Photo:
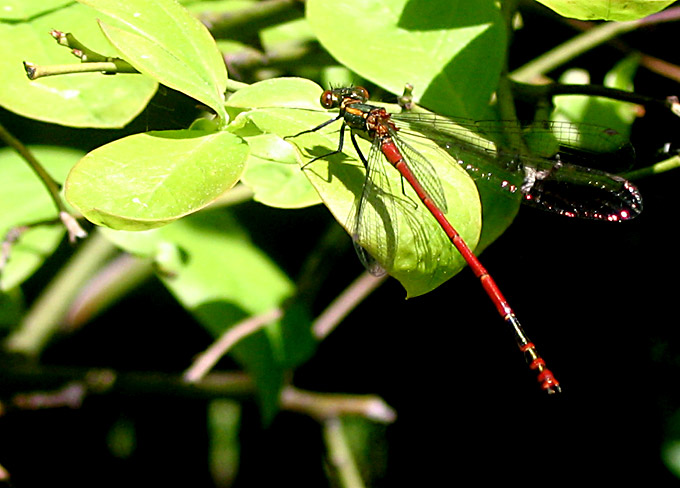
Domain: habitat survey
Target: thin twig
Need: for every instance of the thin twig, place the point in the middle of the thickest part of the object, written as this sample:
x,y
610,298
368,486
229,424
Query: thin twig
x,y
117,278
18,378
571,49
323,325
71,395
587,40
78,49
10,239
91,61
344,303
209,358
323,406
74,229
48,383
547,91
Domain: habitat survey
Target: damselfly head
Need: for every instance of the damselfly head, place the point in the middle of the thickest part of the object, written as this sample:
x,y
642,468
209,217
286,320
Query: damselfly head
x,y
332,98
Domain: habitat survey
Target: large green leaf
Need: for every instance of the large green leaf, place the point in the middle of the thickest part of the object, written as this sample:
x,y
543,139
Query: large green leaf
x,y
162,39
620,10
147,180
24,201
78,100
452,51
413,248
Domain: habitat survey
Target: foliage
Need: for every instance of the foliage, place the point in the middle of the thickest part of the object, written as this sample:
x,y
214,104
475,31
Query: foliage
x,y
167,196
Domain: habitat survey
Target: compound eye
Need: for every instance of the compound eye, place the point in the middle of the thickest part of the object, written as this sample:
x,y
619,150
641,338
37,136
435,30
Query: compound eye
x,y
361,91
328,99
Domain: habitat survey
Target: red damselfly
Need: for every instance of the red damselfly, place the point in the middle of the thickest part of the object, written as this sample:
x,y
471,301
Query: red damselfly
x,y
545,178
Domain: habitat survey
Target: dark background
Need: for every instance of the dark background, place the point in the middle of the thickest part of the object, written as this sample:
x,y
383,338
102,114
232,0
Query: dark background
x,y
598,299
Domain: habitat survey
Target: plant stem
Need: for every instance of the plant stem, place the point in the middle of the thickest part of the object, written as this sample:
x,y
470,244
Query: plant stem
x,y
545,92
597,35
209,358
344,303
323,406
22,378
340,454
52,186
47,180
504,93
116,279
44,318
571,49
109,67
20,381
660,167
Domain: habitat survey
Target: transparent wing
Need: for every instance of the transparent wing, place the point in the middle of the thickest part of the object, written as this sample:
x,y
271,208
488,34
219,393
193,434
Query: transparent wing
x,y
552,162
424,172
373,220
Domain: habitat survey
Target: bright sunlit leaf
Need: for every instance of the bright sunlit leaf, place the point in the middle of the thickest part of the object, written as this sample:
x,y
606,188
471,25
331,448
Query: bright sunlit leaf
x,y
620,10
161,39
435,45
76,100
413,248
148,180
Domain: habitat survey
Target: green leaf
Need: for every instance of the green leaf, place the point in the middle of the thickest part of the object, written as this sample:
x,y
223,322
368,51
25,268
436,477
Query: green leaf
x,y
273,170
369,446
293,32
424,257
12,309
604,112
436,45
78,100
222,279
25,201
279,92
147,180
25,9
161,39
298,342
274,175
620,10
29,252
